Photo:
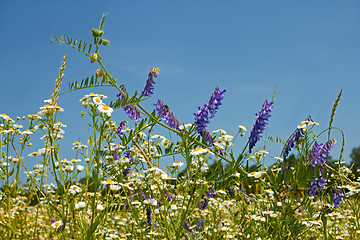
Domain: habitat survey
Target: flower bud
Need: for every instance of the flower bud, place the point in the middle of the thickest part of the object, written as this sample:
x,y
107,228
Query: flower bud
x,y
105,42
96,32
93,57
99,73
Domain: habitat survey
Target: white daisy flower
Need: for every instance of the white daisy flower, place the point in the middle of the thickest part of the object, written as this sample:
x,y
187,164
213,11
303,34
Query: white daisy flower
x,y
80,168
91,95
256,174
74,189
199,151
97,101
242,128
109,182
114,187
185,126
100,207
69,168
105,109
178,164
27,132
80,205
57,224
59,124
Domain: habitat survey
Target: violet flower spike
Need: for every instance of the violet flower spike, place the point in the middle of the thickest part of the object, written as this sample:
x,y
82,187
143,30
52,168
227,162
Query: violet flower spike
x,y
207,111
149,88
132,112
326,150
168,117
338,198
315,151
148,216
316,186
317,155
127,170
295,137
262,119
121,128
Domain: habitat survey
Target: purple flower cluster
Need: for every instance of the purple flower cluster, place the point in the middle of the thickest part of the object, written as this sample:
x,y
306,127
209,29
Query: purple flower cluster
x,y
207,111
169,197
199,224
130,110
127,170
120,129
293,139
210,194
319,153
316,186
338,197
168,117
262,118
187,226
148,216
149,88
318,156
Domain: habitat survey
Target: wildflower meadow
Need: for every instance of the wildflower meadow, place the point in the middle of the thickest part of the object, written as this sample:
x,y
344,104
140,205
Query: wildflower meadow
x,y
114,187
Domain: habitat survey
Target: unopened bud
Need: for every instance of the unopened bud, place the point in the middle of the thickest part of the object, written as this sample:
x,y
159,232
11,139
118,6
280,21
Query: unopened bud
x,y
93,57
96,32
99,73
105,42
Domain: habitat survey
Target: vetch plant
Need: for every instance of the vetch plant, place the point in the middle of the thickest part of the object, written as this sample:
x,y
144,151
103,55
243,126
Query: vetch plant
x,y
113,187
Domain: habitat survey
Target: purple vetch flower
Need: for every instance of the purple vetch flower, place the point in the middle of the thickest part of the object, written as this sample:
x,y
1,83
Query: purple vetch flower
x,y
130,110
121,128
317,184
142,194
203,204
115,156
169,197
262,118
127,170
202,119
148,216
314,153
187,226
318,156
231,191
149,88
208,110
199,224
215,101
211,193
325,150
293,139
338,197
168,117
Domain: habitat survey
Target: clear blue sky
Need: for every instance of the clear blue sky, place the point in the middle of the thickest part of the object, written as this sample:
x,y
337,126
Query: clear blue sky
x,y
308,49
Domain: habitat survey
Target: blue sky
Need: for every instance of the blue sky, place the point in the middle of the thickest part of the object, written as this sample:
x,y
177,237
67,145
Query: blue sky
x,y
309,50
